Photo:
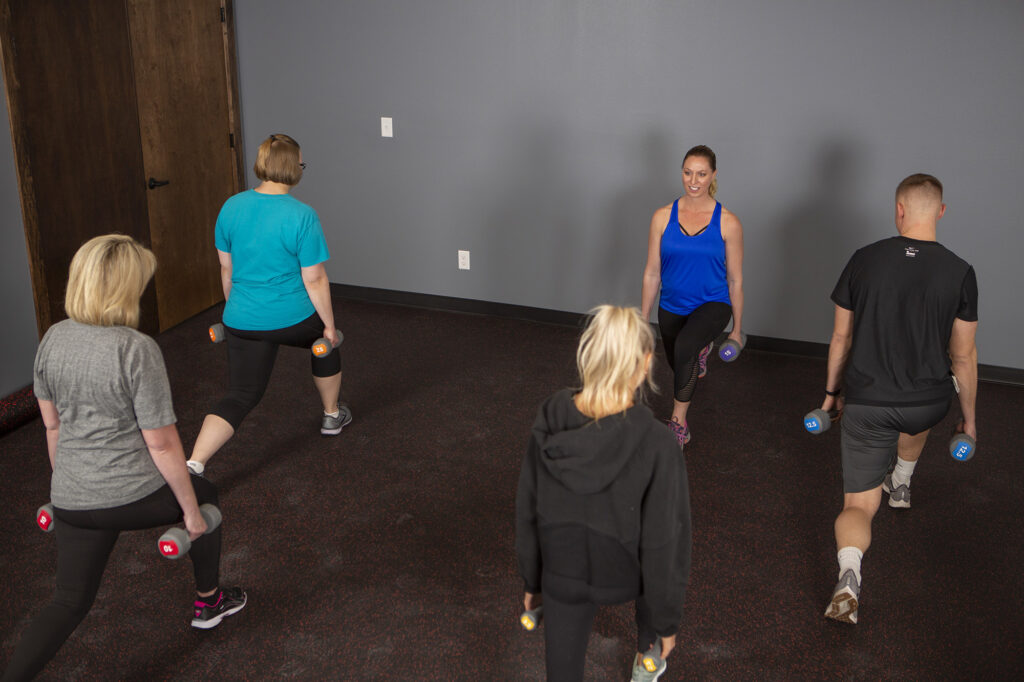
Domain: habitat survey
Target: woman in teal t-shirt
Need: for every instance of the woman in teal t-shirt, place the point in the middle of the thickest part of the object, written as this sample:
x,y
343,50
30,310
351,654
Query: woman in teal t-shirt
x,y
272,253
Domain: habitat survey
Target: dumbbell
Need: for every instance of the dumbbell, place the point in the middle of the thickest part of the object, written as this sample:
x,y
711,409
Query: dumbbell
x,y
819,421
962,447
730,350
216,332
652,660
175,543
531,619
322,346
44,518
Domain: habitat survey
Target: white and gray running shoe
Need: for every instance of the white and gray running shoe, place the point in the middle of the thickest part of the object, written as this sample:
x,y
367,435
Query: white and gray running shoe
x,y
899,497
843,606
641,673
332,426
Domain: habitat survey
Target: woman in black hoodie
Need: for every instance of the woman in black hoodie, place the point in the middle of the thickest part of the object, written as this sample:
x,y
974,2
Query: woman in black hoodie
x,y
603,506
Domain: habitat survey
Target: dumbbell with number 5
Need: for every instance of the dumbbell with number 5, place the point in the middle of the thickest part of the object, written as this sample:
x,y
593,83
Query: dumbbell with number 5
x,y
175,542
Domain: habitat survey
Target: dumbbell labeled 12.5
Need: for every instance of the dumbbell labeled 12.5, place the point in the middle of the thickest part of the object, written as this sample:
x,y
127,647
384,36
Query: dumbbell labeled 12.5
x,y
962,447
819,421
322,346
652,660
216,332
730,350
44,518
531,619
175,543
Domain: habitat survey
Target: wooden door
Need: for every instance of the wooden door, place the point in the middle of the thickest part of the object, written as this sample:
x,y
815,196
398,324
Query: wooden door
x,y
184,87
104,95
71,98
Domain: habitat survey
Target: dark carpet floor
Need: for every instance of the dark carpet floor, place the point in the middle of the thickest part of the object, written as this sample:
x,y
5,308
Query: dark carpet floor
x,y
387,553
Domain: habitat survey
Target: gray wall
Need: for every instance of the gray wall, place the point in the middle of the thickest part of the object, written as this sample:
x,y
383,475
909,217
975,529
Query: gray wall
x,y
17,313
541,136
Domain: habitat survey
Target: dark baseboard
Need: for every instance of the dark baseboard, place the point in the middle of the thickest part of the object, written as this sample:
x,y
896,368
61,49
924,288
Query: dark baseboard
x,y
990,373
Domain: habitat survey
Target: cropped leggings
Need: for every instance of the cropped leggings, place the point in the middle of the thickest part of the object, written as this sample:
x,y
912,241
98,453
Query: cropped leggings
x,y
251,355
684,336
85,539
567,629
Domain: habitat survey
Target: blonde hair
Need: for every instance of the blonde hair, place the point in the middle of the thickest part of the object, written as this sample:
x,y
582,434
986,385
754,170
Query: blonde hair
x,y
277,160
107,278
611,358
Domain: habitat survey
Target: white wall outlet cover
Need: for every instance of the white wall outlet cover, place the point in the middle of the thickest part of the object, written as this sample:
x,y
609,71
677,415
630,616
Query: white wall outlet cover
x,y
386,129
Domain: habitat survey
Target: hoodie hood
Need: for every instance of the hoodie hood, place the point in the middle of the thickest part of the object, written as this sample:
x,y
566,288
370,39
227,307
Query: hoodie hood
x,y
583,454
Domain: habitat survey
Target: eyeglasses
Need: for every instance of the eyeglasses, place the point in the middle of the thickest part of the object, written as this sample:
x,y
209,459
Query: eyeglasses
x,y
302,166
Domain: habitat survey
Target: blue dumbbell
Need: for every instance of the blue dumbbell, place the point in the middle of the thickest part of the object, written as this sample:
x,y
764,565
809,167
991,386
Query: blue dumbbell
x,y
730,350
962,447
652,660
819,421
531,619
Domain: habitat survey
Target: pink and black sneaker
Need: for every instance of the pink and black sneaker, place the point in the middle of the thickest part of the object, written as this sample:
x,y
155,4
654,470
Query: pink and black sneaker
x,y
702,360
681,432
227,602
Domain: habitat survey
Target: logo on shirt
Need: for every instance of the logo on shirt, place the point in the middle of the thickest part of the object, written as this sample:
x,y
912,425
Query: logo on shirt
x,y
911,251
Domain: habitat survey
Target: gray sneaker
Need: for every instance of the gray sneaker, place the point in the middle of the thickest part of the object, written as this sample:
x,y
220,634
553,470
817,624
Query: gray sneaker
x,y
332,426
843,606
899,497
642,674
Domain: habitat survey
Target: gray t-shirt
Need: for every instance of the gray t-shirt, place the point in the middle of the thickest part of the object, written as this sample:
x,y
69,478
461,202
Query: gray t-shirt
x,y
107,383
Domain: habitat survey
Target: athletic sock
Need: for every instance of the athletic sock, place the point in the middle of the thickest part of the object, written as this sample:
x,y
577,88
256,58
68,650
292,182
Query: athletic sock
x,y
333,414
849,557
902,472
210,600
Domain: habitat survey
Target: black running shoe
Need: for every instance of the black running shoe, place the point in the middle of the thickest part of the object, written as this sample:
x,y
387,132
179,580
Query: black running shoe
x,y
229,601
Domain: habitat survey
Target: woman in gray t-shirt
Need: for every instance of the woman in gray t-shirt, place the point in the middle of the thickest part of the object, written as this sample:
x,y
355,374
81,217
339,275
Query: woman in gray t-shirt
x,y
117,460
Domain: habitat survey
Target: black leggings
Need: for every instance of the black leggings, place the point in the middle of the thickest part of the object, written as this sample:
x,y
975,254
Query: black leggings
x,y
85,539
567,629
684,336
251,356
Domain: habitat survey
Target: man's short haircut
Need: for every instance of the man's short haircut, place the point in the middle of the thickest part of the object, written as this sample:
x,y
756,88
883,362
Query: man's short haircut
x,y
277,160
928,185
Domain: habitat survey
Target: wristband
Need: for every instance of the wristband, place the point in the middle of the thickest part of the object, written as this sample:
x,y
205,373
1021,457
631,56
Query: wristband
x,y
834,393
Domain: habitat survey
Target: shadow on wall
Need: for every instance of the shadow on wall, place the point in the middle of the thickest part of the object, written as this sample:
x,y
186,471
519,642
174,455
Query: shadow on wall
x,y
628,218
816,238
531,222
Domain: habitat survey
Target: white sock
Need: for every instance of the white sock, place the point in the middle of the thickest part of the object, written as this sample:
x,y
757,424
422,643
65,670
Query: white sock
x,y
849,557
197,467
333,414
903,471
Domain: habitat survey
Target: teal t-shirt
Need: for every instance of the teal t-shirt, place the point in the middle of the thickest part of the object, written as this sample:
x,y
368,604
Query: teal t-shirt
x,y
270,237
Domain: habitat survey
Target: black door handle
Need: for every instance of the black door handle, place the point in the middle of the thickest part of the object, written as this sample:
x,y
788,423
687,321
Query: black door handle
x,y
154,183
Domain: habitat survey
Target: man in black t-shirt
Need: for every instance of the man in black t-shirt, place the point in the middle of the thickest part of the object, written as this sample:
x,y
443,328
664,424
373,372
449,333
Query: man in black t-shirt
x,y
905,322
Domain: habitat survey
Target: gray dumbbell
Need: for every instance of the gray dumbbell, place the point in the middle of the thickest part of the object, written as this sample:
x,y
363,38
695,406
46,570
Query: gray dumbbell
x,y
216,332
531,619
962,447
44,518
730,350
175,542
819,421
652,660
322,346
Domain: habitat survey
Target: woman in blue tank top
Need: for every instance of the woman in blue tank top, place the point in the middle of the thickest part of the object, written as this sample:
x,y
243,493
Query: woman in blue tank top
x,y
695,256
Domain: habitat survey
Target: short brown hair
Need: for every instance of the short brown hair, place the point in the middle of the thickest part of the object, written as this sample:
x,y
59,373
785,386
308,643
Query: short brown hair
x,y
277,160
107,278
920,182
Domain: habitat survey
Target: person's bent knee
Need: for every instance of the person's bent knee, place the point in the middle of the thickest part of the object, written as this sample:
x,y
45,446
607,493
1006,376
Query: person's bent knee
x,y
867,501
327,366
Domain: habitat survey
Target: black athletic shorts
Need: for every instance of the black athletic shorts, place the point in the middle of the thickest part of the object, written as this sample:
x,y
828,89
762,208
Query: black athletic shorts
x,y
870,434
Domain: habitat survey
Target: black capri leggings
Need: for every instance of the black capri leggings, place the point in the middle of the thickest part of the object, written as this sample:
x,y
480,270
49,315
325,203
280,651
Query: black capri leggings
x,y
85,539
684,336
251,355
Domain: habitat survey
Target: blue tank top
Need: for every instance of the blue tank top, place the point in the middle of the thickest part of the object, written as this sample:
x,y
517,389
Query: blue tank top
x,y
692,268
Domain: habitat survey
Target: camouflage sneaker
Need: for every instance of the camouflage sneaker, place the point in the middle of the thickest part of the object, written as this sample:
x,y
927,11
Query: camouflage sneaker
x,y
844,604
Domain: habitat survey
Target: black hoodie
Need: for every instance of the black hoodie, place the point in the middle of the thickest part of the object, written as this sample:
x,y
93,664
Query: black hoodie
x,y
603,511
